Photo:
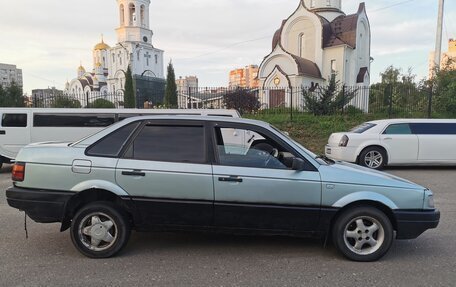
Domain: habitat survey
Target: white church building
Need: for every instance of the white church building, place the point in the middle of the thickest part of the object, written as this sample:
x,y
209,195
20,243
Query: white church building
x,y
134,49
317,41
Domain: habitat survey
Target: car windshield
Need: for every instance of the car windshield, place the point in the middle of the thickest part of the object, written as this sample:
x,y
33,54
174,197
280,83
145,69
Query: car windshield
x,y
362,128
285,134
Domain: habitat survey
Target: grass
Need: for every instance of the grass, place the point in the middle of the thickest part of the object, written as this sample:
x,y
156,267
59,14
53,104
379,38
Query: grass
x,y
313,131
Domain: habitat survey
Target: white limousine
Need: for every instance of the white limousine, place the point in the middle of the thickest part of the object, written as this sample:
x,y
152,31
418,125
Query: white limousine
x,y
22,126
396,142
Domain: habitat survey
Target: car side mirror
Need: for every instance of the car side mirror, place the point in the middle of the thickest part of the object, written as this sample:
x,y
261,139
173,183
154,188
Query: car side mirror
x,y
298,164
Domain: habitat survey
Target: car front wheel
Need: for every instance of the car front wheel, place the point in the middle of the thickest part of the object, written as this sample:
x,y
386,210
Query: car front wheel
x,y
100,230
363,234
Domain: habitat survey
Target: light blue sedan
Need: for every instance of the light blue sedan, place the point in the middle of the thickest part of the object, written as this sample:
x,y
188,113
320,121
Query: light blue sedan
x,y
213,174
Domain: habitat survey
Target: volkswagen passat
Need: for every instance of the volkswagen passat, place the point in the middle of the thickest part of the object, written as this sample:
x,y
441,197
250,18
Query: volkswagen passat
x,y
212,174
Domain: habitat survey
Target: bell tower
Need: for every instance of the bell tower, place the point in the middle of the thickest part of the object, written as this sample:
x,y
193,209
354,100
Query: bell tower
x,y
134,48
134,21
323,4
329,9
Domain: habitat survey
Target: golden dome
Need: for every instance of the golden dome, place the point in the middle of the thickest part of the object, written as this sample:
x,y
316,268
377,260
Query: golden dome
x,y
81,68
102,45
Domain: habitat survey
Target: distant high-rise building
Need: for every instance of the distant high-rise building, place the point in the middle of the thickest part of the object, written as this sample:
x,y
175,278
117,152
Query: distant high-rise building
x,y
43,98
448,60
183,84
244,78
9,74
185,88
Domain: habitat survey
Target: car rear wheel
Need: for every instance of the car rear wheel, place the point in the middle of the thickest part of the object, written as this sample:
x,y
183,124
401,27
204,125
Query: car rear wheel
x,y
100,230
363,234
373,157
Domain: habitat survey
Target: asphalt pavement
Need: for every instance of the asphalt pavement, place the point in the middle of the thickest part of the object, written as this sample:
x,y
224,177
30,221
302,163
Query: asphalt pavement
x,y
48,258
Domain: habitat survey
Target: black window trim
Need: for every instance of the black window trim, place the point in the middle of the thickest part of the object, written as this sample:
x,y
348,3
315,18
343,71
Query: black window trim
x,y
35,114
216,161
171,122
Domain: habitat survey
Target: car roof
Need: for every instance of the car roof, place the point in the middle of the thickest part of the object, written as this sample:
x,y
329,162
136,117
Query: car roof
x,y
398,121
199,118
93,138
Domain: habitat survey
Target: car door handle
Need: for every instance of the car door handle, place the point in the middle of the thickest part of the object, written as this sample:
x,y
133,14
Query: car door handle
x,y
388,139
230,179
134,173
2,132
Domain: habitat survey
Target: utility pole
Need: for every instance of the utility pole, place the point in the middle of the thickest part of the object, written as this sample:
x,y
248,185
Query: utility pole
x,y
438,44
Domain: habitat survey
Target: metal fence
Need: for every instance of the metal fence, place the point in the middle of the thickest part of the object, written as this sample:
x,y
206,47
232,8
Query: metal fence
x,y
387,100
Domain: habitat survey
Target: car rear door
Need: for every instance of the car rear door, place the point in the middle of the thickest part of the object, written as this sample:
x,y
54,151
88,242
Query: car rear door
x,y
437,141
256,190
167,173
401,143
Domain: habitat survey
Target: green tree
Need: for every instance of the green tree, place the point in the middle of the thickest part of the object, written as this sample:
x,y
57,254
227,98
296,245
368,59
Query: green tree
x,y
2,96
242,100
328,100
129,95
397,94
12,96
65,102
443,87
171,88
101,104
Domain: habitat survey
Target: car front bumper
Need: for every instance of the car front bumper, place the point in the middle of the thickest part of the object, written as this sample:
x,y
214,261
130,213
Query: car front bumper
x,y
411,224
40,205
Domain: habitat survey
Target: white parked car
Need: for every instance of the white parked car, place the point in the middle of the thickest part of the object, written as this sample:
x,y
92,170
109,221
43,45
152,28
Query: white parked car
x,y
396,142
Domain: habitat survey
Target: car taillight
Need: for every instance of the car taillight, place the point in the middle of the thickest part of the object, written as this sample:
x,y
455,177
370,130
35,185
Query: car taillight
x,y
18,173
344,141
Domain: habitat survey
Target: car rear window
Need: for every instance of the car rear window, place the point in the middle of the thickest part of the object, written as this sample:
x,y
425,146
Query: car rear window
x,y
112,144
362,128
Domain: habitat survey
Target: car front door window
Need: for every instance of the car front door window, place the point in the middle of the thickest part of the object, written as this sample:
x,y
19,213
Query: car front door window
x,y
247,148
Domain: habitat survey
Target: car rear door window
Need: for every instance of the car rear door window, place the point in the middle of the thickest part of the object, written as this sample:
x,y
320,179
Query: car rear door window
x,y
434,128
14,120
111,145
166,143
398,129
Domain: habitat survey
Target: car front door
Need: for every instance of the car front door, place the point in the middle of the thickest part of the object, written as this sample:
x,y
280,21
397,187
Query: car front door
x,y
401,144
167,173
255,186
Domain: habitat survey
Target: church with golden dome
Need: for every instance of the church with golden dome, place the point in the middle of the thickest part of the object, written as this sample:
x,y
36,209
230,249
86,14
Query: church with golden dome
x,y
134,49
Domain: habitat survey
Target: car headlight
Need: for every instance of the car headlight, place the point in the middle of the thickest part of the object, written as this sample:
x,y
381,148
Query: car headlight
x,y
430,201
344,141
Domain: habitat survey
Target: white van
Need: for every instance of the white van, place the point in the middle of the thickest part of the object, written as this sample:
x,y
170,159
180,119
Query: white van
x,y
396,142
22,126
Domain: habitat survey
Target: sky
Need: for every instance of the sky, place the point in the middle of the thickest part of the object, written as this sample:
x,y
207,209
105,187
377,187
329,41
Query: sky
x,y
48,39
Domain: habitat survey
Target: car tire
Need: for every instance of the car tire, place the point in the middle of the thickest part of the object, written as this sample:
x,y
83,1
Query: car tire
x,y
100,230
373,158
363,234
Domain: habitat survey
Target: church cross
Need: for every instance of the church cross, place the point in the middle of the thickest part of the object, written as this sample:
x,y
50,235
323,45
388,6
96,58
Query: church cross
x,y
147,56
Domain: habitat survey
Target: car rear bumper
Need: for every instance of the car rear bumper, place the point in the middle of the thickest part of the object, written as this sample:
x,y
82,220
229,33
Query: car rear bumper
x,y
411,224
40,205
341,153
